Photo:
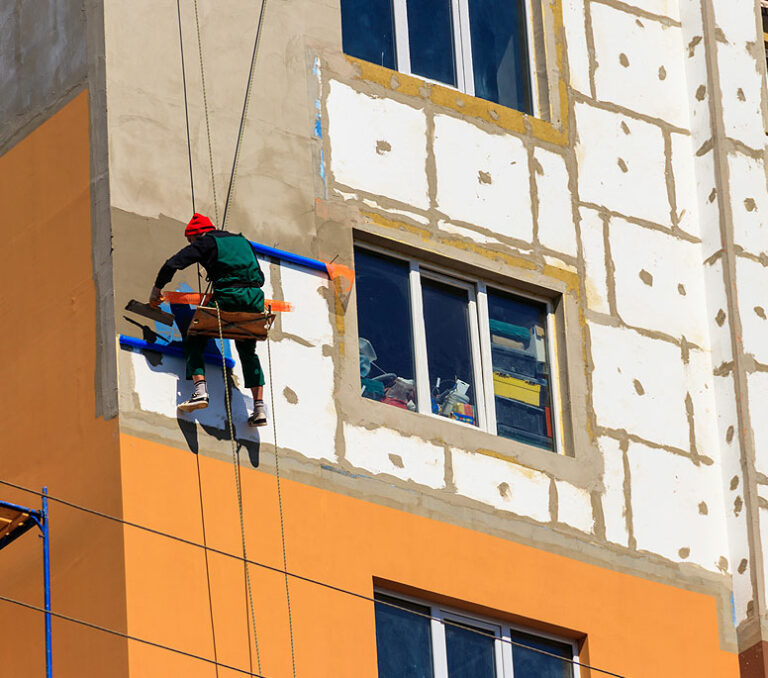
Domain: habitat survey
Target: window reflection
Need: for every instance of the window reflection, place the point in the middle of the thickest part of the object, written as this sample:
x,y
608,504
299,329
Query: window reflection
x,y
532,664
385,336
403,639
449,354
500,52
521,379
470,650
430,33
368,31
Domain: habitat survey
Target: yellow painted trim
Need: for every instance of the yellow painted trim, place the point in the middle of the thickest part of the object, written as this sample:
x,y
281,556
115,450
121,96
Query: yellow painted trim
x,y
506,118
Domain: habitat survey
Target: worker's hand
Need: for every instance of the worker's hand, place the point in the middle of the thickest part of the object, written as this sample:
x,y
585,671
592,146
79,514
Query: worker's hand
x,y
155,296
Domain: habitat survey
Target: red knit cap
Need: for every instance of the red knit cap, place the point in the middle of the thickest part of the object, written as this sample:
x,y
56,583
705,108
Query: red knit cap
x,y
198,225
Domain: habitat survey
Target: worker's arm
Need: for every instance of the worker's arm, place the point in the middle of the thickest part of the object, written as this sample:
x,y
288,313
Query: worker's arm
x,y
201,251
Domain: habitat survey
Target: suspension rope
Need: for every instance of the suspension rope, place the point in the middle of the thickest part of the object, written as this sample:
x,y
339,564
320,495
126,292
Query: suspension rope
x,y
207,119
280,503
197,456
244,114
238,486
277,570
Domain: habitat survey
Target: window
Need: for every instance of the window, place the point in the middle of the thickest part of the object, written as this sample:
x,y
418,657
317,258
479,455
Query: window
x,y
477,46
453,348
417,640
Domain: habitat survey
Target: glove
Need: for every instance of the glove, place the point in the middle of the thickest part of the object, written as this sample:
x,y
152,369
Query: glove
x,y
155,297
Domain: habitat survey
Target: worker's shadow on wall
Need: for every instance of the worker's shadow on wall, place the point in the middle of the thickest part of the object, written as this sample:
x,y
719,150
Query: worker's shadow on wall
x,y
188,424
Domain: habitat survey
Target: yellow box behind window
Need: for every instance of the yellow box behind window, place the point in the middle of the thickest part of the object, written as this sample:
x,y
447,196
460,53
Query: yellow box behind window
x,y
516,389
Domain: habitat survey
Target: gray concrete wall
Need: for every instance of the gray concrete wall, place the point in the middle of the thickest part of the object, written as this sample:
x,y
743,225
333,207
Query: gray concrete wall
x,y
43,62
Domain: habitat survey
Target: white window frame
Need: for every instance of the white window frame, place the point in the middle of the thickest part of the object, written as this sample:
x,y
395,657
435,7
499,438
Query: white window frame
x,y
462,47
502,631
480,343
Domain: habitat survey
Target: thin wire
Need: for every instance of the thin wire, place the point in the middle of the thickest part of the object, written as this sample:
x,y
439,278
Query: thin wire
x,y
244,115
280,504
127,636
207,121
238,485
300,577
186,107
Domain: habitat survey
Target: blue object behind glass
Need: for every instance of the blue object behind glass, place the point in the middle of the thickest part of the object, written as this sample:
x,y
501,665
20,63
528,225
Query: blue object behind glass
x,y
470,652
531,664
403,639
368,31
500,52
430,37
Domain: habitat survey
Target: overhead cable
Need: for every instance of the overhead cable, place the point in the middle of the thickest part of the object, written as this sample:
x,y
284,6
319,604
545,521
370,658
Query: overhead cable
x,y
309,580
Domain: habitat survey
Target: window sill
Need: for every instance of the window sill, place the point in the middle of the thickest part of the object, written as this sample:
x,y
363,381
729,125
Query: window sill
x,y
581,466
450,98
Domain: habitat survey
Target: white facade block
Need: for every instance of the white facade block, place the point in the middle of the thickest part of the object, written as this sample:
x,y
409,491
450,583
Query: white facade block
x,y
639,385
686,192
378,145
741,82
384,451
709,205
640,64
614,499
593,251
659,285
749,201
574,506
758,397
701,387
578,52
555,218
501,484
310,318
752,285
717,308
483,178
621,164
667,491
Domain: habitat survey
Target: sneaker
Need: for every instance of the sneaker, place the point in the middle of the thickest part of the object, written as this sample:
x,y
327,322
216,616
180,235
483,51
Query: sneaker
x,y
196,402
258,418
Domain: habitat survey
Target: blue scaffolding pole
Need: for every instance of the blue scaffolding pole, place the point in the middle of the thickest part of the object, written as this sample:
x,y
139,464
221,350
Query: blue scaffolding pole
x,y
16,520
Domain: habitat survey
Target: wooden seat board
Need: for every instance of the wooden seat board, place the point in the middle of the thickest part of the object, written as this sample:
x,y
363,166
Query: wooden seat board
x,y
234,324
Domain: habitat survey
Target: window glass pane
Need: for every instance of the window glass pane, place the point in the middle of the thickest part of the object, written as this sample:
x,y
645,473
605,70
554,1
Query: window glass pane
x,y
470,651
430,37
500,52
368,31
531,664
384,329
403,639
521,375
449,353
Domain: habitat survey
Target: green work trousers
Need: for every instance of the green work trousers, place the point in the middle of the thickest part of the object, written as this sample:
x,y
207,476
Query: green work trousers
x,y
249,299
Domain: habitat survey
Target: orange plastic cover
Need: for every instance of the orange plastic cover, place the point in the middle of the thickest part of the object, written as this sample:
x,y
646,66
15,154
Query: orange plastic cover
x,y
345,274
196,299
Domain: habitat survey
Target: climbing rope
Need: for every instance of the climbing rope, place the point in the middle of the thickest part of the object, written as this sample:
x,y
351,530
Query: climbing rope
x,y
207,119
197,456
280,503
238,485
244,114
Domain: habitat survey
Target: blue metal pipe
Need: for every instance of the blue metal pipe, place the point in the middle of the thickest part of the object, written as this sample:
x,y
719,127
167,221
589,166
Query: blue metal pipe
x,y
47,584
170,349
266,251
22,509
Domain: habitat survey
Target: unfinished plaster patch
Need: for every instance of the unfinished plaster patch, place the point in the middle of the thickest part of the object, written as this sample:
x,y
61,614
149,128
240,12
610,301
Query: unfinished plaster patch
x,y
625,128
703,509
290,395
701,92
684,552
692,45
503,206
384,451
742,568
601,139
622,165
484,177
356,124
750,205
641,66
720,317
729,437
383,147
681,290
759,312
638,387
646,277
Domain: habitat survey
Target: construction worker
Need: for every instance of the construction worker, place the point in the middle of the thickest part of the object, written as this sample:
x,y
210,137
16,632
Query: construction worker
x,y
232,267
